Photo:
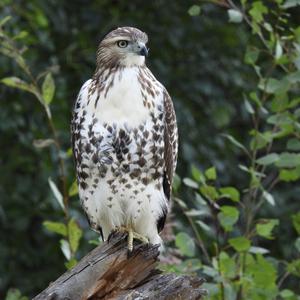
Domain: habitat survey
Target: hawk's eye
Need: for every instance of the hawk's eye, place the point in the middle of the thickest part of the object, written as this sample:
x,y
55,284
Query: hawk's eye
x,y
122,44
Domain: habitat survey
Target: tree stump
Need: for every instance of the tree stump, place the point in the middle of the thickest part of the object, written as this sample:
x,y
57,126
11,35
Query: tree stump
x,y
107,272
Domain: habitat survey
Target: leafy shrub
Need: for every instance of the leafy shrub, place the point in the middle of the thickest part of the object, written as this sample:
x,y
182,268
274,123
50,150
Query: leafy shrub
x,y
230,225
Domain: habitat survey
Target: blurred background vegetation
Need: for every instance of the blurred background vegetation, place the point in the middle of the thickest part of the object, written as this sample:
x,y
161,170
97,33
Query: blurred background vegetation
x,y
229,67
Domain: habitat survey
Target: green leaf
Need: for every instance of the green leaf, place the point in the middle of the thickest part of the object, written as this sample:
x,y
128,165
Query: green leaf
x,y
240,244
294,77
297,244
204,226
235,142
231,193
280,119
190,265
180,203
260,140
185,244
176,183
73,190
296,222
40,17
270,199
280,102
18,83
211,173
257,11
71,263
4,20
251,57
278,50
210,271
65,248
288,160
40,143
265,227
74,235
294,267
289,175
197,174
263,276
56,227
268,159
248,107
227,266
57,194
14,294
293,144
285,130
190,183
274,86
209,192
288,295
291,3
258,250
294,102
200,200
21,35
244,168
235,16
48,88
268,26
194,213
228,216
194,10
253,96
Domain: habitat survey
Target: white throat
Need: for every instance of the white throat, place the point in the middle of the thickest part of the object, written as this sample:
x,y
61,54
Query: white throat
x,y
123,102
132,59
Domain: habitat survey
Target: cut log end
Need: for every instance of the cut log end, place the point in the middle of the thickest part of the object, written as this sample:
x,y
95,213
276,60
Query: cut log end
x,y
108,272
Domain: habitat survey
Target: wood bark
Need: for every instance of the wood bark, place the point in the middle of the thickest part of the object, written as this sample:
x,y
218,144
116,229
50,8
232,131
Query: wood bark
x,y
109,272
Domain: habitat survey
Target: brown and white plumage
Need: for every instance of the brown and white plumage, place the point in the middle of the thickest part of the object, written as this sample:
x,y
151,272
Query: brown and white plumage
x,y
124,137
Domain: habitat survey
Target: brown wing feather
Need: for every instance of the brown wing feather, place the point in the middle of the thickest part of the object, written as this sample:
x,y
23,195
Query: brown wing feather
x,y
171,143
170,152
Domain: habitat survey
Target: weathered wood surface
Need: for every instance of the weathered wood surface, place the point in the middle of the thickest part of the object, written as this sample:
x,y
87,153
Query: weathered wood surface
x,y
108,273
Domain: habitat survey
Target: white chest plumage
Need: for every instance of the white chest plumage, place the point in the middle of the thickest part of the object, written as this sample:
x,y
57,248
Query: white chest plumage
x,y
118,142
122,102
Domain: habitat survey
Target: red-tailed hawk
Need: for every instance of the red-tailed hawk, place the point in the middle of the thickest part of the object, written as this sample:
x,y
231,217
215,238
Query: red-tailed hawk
x,y
124,137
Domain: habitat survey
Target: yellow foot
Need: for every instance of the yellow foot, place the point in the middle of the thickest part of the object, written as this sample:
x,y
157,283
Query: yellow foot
x,y
132,235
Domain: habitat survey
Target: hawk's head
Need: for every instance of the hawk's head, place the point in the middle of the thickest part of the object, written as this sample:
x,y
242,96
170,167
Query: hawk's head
x,y
124,46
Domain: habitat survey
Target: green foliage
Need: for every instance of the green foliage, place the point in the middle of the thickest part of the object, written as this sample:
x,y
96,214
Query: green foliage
x,y
240,244
14,294
211,174
48,88
185,244
265,227
228,217
194,10
296,222
238,265
56,227
75,234
231,193
235,16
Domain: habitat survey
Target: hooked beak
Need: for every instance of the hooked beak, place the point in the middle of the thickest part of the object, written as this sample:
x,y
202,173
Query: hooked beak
x,y
144,51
